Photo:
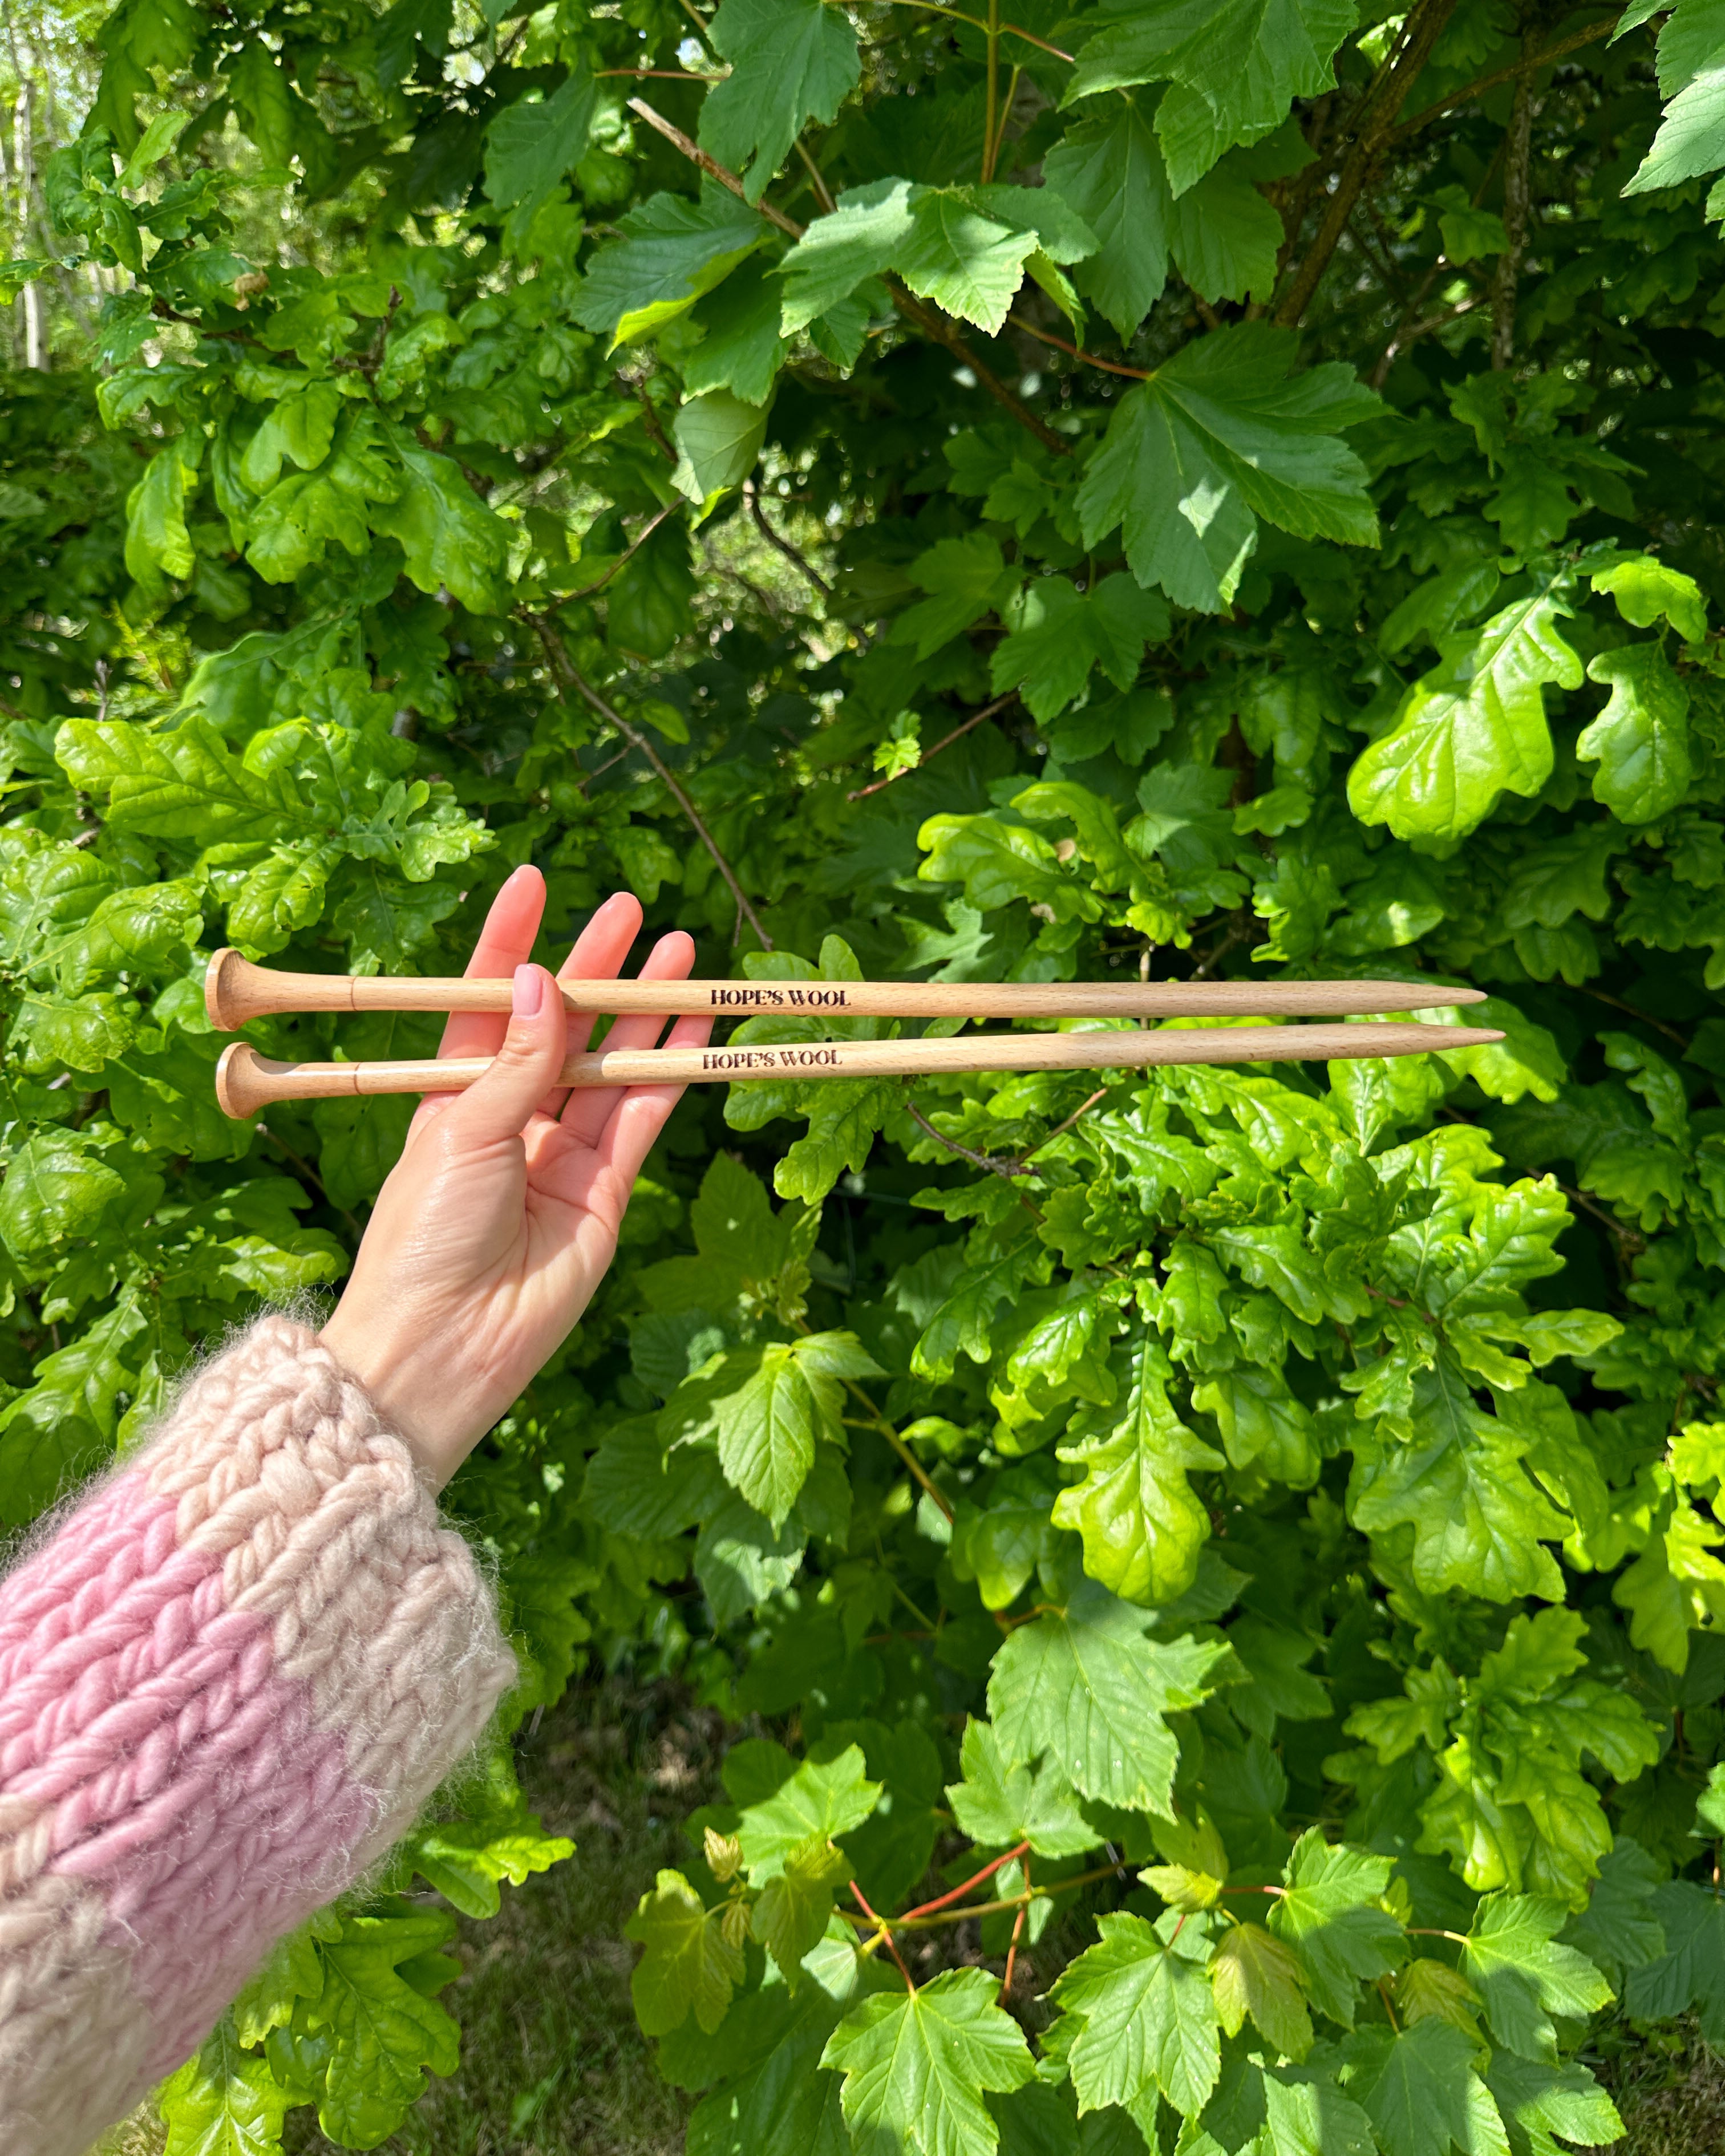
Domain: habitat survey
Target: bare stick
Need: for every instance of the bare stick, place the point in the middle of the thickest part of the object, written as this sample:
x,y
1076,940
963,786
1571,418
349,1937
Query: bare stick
x,y
776,539
246,1082
236,992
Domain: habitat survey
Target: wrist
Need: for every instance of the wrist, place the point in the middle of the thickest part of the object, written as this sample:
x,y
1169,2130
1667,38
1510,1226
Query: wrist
x,y
375,1359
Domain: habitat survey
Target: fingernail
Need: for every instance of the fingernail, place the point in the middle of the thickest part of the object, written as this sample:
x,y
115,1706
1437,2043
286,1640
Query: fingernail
x,y
527,991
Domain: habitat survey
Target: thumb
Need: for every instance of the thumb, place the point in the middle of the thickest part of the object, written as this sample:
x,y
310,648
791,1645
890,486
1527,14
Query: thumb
x,y
524,1070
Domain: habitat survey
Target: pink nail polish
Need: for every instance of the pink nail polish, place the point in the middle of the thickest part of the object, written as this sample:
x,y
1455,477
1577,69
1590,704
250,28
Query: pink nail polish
x,y
527,991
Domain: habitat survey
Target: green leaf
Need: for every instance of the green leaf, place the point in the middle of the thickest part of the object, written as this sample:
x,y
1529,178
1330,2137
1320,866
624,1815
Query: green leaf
x,y
384,2031
1090,1687
1418,2088
1148,2020
1542,2104
1250,1973
1235,68
1058,635
1330,1915
1457,1478
791,61
1472,728
530,146
1003,1801
819,1801
1690,138
1141,1523
1218,438
855,241
1647,590
225,2102
1111,170
742,348
1689,1977
916,2066
795,1906
1641,741
718,438
157,543
452,541
791,1397
689,1964
963,260
964,578
466,1862
669,252
1512,1958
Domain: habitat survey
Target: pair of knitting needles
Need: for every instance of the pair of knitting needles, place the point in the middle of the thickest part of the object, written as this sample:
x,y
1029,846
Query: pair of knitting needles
x,y
236,991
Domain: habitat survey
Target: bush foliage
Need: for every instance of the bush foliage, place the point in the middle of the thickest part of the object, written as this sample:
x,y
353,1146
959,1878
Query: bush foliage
x,y
1228,489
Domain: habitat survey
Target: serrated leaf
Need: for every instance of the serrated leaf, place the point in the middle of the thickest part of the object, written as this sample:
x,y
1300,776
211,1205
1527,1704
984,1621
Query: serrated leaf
x,y
1236,68
1541,2104
530,146
1089,1687
792,61
689,1965
791,1911
1251,1973
225,2102
1218,438
1330,1916
1417,2085
916,2067
1513,1960
1148,2020
1002,1801
820,1800
668,252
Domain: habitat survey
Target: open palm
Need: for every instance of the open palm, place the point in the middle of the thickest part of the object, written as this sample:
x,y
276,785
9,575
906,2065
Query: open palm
x,y
501,1217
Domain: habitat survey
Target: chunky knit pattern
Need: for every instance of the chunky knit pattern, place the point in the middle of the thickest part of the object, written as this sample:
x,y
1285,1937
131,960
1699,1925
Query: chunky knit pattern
x,y
227,1685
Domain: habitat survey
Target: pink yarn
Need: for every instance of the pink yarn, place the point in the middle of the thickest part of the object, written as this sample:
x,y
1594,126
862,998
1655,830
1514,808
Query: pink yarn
x,y
226,1684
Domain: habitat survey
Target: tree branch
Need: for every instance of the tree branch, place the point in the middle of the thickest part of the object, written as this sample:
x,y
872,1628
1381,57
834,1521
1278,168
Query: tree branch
x,y
776,539
991,1163
946,741
1517,190
628,554
932,325
1478,89
1373,122
571,678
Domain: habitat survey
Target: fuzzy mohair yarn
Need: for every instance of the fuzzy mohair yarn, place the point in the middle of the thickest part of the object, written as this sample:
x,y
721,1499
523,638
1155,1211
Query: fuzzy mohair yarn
x,y
227,1685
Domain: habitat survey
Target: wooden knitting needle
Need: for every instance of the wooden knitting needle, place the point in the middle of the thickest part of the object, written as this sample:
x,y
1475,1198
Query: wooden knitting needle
x,y
246,1081
236,991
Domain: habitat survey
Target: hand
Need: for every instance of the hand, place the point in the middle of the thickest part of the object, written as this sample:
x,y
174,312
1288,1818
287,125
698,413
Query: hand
x,y
498,1221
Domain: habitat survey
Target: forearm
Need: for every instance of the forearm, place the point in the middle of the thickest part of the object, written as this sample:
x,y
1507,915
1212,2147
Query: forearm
x,y
227,1685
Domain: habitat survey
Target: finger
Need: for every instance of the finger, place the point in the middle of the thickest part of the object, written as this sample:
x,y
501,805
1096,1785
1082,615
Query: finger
x,y
590,1110
643,1112
504,942
599,951
500,1103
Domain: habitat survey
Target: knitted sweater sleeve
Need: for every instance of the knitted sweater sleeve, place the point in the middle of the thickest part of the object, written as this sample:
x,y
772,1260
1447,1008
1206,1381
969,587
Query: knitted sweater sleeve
x,y
227,1684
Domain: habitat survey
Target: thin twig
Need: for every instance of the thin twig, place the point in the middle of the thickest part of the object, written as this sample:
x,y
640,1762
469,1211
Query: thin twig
x,y
878,1422
1412,334
649,420
752,495
1018,1932
1061,1129
991,1163
823,193
1077,352
885,1935
958,1893
1477,89
634,548
946,741
711,166
561,664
